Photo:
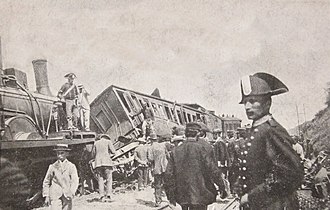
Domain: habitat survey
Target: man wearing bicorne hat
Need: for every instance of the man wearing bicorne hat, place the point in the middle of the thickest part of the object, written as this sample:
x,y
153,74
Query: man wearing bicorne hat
x,y
61,181
69,93
270,171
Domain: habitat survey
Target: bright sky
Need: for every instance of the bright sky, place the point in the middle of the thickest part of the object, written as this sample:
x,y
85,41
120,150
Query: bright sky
x,y
194,51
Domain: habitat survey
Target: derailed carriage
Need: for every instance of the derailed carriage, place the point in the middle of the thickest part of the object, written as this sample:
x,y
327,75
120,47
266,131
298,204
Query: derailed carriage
x,y
114,112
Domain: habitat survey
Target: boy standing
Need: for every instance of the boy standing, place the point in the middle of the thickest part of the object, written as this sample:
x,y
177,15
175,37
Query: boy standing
x,y
61,181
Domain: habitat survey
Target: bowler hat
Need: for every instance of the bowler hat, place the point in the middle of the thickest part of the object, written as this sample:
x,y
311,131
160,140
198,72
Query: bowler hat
x,y
70,75
62,147
261,84
193,126
104,136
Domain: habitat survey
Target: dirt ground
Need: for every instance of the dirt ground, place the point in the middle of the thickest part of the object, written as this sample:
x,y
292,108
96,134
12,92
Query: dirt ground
x,y
128,200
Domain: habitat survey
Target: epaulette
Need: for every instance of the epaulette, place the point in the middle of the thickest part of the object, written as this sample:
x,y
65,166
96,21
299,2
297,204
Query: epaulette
x,y
272,122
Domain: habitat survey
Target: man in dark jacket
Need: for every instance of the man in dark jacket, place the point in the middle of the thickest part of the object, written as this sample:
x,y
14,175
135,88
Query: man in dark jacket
x,y
192,171
270,170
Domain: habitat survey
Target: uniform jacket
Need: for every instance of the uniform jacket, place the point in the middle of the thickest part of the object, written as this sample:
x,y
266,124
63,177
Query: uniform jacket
x,y
72,94
221,151
157,155
60,179
191,174
102,151
270,170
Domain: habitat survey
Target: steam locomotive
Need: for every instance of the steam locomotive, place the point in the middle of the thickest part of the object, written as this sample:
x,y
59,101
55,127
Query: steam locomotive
x,y
29,127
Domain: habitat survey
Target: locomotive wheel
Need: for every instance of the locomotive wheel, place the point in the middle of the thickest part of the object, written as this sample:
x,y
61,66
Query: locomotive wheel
x,y
21,128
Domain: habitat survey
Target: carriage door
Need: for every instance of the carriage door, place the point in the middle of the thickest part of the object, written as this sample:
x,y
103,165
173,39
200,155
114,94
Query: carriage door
x,y
134,106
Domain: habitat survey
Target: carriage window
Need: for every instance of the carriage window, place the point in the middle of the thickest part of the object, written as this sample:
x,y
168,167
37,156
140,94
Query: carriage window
x,y
179,116
146,100
189,117
103,120
184,116
136,101
194,118
121,96
154,107
168,113
174,116
198,116
161,110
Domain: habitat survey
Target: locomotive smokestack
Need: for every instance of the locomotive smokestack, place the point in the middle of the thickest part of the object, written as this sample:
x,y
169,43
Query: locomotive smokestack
x,y
40,72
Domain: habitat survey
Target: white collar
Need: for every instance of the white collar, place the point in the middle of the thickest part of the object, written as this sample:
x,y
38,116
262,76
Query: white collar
x,y
262,120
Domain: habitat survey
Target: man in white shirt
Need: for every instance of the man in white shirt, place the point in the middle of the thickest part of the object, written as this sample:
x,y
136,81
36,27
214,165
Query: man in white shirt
x,y
298,148
84,107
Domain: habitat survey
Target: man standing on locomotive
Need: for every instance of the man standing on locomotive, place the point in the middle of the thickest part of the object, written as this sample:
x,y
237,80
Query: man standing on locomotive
x,y
270,170
69,93
84,108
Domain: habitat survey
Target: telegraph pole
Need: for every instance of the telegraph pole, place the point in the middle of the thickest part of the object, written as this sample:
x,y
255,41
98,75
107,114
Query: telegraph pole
x,y
298,120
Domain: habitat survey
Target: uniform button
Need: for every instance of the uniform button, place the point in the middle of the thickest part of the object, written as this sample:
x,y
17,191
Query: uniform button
x,y
239,168
244,169
243,146
252,137
243,178
239,177
236,146
245,152
256,130
244,161
244,186
249,144
242,153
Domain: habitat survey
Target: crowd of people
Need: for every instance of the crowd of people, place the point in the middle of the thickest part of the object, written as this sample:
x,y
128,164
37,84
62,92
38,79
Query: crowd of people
x,y
259,162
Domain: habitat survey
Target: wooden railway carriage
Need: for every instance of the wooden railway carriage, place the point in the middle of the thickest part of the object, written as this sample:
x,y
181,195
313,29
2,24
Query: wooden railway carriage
x,y
111,113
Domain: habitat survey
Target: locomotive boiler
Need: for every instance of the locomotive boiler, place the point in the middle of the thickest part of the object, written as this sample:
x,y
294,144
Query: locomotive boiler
x,y
29,125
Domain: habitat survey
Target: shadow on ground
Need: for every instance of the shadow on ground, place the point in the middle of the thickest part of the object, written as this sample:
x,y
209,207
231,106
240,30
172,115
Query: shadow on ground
x,y
146,203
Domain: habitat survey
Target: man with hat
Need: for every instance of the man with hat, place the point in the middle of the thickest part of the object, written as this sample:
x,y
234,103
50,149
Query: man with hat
x,y
102,151
157,155
69,93
141,159
270,171
177,140
148,119
84,108
61,180
192,172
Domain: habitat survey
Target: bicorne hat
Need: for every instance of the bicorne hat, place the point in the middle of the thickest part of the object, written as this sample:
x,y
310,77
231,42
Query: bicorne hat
x,y
70,75
261,84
